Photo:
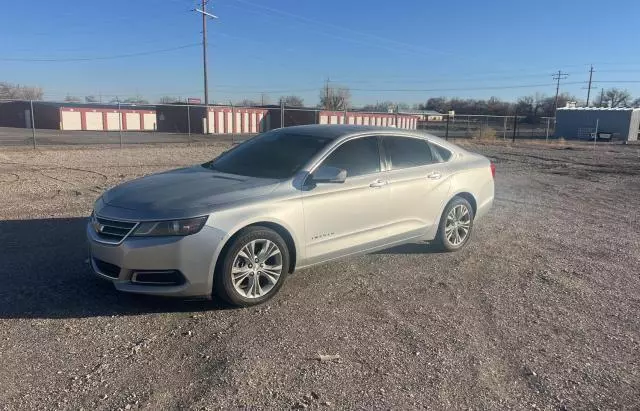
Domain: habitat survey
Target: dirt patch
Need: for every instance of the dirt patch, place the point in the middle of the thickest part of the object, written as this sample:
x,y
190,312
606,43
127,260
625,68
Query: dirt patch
x,y
540,311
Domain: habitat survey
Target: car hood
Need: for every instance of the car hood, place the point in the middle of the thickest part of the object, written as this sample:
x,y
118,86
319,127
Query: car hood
x,y
184,192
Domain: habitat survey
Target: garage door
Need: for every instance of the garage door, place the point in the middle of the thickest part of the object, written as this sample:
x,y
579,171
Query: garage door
x,y
149,121
237,125
94,121
133,121
113,121
254,123
245,122
229,124
71,120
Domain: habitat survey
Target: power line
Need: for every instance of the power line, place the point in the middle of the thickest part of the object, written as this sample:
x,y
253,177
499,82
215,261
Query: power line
x,y
463,88
617,81
407,46
112,57
233,89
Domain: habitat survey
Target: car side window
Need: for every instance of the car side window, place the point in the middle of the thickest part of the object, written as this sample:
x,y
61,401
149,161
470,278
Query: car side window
x,y
405,152
359,157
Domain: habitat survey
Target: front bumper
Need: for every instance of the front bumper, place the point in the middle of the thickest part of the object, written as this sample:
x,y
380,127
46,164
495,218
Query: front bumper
x,y
193,256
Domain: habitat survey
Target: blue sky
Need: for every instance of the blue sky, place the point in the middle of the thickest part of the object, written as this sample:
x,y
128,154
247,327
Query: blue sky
x,y
403,50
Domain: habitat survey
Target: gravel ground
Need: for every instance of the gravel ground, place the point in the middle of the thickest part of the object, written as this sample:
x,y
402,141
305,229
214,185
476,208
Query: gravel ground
x,y
540,311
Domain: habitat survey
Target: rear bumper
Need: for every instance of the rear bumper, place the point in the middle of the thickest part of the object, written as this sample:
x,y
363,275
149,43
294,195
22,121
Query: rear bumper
x,y
193,257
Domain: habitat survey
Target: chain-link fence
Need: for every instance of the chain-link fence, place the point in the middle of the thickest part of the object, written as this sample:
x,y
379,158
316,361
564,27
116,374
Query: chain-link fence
x,y
35,123
488,127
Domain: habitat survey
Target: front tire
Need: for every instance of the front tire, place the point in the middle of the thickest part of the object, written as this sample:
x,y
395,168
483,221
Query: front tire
x,y
456,225
254,267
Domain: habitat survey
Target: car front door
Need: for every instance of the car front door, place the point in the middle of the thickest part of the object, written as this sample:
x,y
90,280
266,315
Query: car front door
x,y
418,185
345,218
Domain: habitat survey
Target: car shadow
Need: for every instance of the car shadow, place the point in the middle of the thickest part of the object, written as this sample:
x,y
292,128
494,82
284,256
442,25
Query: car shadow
x,y
44,274
412,248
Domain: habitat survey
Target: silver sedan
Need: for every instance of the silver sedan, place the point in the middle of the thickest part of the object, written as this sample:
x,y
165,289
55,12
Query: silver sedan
x,y
285,200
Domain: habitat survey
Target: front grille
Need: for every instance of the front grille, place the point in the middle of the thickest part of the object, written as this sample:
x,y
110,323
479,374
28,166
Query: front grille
x,y
112,230
108,269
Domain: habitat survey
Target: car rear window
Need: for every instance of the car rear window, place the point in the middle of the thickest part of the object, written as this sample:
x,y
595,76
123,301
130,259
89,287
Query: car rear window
x,y
405,152
441,153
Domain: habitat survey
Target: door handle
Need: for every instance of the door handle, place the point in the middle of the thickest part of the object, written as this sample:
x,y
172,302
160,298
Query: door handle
x,y
378,184
434,176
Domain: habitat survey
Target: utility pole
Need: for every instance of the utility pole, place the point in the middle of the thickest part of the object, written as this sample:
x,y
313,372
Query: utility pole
x,y
557,77
326,94
204,13
589,88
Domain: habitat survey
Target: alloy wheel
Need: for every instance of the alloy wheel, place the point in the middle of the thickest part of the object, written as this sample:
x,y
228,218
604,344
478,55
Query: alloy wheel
x,y
458,225
256,268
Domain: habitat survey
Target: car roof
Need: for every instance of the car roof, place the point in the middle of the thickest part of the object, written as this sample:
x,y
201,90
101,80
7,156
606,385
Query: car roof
x,y
336,131
343,131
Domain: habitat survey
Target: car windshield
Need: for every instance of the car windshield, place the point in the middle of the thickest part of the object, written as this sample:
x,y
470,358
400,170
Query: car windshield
x,y
275,154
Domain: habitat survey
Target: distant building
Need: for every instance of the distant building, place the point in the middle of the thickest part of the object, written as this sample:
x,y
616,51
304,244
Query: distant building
x,y
425,115
611,123
181,118
78,116
241,120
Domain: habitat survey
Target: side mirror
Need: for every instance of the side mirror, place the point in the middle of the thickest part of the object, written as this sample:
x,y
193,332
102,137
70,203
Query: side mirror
x,y
327,174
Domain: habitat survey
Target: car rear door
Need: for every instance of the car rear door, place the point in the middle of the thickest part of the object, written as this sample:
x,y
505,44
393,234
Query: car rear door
x,y
345,218
418,182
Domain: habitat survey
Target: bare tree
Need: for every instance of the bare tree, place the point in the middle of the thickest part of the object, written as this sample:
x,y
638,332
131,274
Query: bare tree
x,y
136,100
72,99
90,99
616,98
18,92
292,101
247,103
380,107
636,103
335,98
168,100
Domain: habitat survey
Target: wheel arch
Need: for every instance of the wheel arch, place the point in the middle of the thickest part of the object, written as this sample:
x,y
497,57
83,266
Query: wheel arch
x,y
469,197
278,228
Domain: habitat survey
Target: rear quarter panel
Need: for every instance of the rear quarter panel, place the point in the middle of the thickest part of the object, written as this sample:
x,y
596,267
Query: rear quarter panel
x,y
471,173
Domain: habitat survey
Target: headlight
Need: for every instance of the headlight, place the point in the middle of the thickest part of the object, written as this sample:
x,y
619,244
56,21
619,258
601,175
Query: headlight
x,y
170,228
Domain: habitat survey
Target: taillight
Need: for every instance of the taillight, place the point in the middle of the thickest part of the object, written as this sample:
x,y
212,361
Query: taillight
x,y
493,170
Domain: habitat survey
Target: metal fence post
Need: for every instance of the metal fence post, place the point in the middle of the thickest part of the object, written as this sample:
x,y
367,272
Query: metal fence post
x,y
515,127
189,121
548,121
595,139
504,129
281,113
33,124
233,122
446,130
120,123
468,118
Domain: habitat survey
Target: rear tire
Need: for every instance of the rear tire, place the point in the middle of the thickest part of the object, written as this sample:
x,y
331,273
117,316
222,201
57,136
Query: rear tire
x,y
253,267
456,224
